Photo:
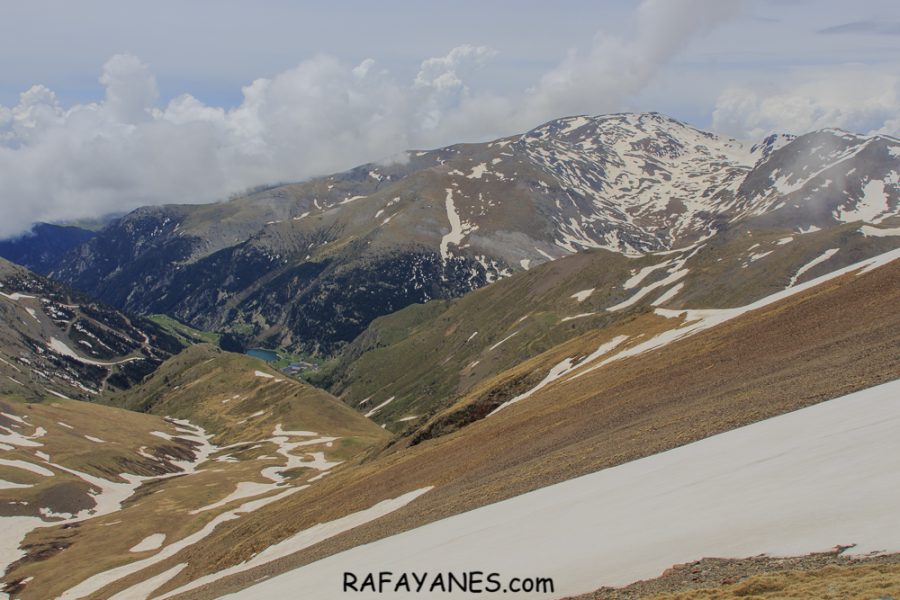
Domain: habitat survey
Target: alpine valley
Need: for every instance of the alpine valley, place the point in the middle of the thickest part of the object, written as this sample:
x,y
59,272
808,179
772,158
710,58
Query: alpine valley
x,y
616,352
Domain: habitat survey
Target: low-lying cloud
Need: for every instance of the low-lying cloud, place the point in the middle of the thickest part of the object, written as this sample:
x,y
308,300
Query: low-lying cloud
x,y
127,150
856,98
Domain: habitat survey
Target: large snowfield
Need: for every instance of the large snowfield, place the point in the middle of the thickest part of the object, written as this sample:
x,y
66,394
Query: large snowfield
x,y
798,483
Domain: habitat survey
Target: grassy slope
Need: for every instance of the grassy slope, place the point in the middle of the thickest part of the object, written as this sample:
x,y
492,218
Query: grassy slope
x,y
764,363
127,446
194,384
191,385
185,333
754,367
424,357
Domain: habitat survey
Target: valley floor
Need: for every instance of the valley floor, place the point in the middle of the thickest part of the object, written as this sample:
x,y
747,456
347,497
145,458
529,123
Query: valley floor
x,y
802,482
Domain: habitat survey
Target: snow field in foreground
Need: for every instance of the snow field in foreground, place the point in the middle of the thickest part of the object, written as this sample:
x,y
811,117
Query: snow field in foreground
x,y
798,483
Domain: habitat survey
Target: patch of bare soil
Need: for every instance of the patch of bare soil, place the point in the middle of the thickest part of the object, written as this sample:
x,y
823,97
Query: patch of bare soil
x,y
821,575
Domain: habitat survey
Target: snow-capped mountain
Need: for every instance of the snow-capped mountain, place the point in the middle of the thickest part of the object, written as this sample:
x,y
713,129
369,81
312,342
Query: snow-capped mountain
x,y
309,265
636,182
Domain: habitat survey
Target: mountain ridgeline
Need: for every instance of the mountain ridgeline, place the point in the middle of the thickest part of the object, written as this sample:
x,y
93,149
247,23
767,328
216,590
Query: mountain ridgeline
x,y
42,248
499,318
309,266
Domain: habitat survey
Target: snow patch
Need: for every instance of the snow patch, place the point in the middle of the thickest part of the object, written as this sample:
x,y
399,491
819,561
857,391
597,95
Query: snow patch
x,y
457,233
582,295
672,278
873,203
638,277
794,484
578,316
301,540
26,466
379,407
144,589
819,259
60,347
668,295
478,171
244,489
497,345
16,296
561,369
151,542
870,231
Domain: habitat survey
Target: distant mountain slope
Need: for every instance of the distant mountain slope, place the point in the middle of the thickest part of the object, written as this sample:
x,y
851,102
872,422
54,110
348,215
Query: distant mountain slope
x,y
309,266
409,365
55,341
44,247
825,341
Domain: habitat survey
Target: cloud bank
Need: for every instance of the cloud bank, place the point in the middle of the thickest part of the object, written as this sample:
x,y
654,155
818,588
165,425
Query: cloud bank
x,y
856,98
127,149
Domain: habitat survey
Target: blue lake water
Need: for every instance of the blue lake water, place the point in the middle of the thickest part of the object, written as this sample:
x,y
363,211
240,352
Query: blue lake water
x,y
266,355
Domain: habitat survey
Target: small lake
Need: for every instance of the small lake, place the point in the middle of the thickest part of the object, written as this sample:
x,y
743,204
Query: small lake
x,y
266,355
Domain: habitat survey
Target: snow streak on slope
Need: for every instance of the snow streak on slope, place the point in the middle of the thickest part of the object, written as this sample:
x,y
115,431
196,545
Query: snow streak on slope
x,y
60,347
458,228
636,182
244,490
101,580
306,538
697,320
819,259
879,232
563,368
107,500
798,483
693,321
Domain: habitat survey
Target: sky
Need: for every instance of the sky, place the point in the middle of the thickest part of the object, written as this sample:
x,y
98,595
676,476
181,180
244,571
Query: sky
x,y
107,105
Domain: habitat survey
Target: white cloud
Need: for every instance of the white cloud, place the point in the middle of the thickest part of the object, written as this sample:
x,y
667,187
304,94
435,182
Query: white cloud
x,y
854,97
320,116
440,82
130,89
618,67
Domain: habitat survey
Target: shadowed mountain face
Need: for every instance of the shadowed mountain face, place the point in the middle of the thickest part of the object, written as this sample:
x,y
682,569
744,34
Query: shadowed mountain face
x,y
308,266
54,340
44,247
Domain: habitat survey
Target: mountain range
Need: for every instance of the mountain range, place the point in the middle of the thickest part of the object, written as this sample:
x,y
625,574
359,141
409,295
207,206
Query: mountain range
x,y
497,328
308,266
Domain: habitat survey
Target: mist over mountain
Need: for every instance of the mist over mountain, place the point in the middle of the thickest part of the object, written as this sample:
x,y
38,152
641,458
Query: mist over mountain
x,y
308,266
